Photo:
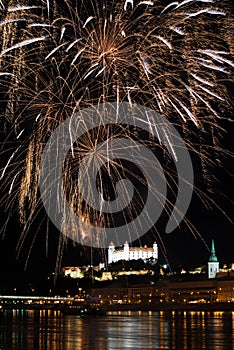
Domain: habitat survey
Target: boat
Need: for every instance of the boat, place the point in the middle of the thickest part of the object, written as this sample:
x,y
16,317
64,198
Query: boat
x,y
85,310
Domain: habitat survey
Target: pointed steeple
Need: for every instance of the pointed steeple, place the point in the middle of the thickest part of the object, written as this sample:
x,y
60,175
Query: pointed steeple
x,y
213,257
213,264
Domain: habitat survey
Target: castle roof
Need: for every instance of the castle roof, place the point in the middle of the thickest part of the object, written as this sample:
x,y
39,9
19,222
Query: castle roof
x,y
132,249
136,249
145,249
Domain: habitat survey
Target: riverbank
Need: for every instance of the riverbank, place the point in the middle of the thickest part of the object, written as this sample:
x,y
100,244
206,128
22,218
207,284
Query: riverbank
x,y
135,307
170,307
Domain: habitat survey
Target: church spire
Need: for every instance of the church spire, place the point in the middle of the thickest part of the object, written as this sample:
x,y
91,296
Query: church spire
x,y
213,264
213,257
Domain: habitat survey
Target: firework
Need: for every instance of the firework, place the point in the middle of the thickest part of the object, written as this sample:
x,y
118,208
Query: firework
x,y
58,58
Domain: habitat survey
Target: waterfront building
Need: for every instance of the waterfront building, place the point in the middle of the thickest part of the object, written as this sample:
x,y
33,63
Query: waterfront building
x,y
203,291
131,253
213,264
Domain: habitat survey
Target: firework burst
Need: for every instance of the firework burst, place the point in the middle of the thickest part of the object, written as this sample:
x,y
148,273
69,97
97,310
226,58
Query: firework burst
x,y
59,57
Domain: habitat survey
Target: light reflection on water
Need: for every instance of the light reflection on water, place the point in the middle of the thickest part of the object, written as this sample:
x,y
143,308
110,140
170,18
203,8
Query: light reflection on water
x,y
50,330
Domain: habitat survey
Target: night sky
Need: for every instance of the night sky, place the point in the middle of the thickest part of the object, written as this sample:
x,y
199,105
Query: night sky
x,y
183,249
37,257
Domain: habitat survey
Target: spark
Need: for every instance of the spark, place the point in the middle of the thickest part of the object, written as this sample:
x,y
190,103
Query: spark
x,y
83,53
211,93
62,33
21,132
148,3
22,8
7,73
212,66
100,71
77,55
146,66
72,44
185,2
44,25
209,11
37,117
171,146
87,21
48,7
165,41
12,20
8,162
175,3
201,80
216,56
2,4
23,43
12,183
190,114
177,30
93,68
54,50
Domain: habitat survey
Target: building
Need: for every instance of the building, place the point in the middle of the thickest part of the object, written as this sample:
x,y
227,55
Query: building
x,y
213,264
131,253
78,272
176,292
73,272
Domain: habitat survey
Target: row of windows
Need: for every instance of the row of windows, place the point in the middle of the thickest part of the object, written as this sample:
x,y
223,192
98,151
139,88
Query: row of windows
x,y
115,255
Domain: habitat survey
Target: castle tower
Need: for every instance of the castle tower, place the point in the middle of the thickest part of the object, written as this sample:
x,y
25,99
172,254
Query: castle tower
x,y
155,251
111,250
126,251
213,264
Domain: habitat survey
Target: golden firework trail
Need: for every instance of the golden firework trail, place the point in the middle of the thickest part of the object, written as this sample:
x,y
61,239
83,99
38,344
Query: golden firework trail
x,y
60,57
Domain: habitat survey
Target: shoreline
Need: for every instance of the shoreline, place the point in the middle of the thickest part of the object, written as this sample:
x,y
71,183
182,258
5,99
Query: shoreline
x,y
171,307
219,307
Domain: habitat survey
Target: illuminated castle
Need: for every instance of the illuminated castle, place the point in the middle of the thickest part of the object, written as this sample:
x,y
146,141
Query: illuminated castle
x,y
133,253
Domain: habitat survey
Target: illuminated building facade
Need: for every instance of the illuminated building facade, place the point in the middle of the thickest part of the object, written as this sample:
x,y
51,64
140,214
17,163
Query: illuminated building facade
x,y
182,292
131,253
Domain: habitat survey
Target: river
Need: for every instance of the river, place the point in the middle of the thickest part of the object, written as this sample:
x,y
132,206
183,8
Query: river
x,y
50,330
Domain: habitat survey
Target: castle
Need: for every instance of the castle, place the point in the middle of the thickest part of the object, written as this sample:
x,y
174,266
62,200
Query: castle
x,y
128,253
131,253
144,253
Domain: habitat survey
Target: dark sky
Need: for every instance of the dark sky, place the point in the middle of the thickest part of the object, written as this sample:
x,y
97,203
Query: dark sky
x,y
182,247
39,253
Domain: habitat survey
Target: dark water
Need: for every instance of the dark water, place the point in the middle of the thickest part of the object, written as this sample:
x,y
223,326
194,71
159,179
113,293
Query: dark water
x,y
48,330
